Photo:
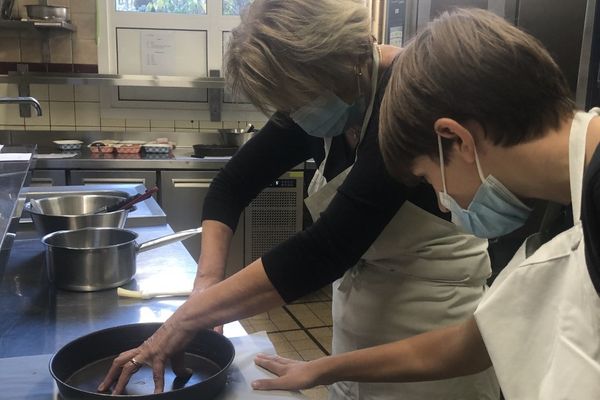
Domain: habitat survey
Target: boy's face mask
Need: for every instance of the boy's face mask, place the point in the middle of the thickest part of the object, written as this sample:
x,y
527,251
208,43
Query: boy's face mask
x,y
494,210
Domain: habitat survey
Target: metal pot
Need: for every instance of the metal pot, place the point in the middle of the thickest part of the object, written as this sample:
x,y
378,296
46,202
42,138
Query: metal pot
x,y
79,366
47,12
236,137
72,212
93,259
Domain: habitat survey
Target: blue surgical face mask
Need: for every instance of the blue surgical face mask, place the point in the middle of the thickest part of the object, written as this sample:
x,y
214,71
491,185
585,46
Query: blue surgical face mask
x,y
493,212
327,115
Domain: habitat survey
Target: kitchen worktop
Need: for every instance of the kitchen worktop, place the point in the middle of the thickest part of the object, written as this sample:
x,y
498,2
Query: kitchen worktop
x,y
36,318
179,159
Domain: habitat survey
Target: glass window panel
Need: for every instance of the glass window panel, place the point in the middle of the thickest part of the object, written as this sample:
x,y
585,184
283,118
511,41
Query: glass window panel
x,y
234,7
163,6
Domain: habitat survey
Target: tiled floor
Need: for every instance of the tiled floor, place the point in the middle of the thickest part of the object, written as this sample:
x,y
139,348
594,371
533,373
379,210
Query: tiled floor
x,y
301,330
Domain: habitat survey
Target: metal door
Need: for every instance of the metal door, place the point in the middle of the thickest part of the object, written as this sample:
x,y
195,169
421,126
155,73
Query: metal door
x,y
182,198
112,177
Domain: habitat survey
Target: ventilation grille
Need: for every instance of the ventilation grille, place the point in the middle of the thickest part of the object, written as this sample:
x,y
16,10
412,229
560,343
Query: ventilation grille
x,y
274,218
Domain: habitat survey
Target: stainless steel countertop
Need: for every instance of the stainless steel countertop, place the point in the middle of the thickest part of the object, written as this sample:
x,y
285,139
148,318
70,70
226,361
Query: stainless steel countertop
x,y
180,159
36,318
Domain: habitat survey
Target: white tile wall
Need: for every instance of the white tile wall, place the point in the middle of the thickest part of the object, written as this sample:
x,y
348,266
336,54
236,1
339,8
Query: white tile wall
x,y
77,108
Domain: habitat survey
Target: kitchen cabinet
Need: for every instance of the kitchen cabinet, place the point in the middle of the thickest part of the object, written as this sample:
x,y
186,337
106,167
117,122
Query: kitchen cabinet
x,y
272,217
110,177
182,197
41,177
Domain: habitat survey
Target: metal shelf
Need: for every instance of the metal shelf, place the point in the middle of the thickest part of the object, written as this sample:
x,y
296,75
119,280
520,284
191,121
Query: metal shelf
x,y
37,24
113,80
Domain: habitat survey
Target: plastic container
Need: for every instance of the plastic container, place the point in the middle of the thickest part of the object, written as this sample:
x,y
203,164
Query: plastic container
x,y
68,144
125,148
102,149
157,148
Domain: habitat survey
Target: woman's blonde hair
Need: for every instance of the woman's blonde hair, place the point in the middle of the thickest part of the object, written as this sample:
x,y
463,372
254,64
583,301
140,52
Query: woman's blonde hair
x,y
285,52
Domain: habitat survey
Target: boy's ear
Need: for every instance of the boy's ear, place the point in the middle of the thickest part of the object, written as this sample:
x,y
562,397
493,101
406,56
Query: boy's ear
x,y
463,143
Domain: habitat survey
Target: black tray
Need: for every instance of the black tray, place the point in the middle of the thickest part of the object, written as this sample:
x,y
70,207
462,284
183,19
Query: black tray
x,y
209,150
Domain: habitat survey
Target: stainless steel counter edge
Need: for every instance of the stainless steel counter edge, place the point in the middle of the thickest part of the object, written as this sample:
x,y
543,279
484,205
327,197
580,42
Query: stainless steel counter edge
x,y
182,160
36,318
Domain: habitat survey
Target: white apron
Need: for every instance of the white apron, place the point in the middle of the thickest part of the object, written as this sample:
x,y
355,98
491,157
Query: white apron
x,y
540,321
421,273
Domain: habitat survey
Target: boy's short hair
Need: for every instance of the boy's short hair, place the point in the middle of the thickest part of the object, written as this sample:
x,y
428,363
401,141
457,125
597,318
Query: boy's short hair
x,y
470,64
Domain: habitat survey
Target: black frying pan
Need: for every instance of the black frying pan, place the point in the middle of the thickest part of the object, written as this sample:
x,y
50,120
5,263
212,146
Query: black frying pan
x,y
81,365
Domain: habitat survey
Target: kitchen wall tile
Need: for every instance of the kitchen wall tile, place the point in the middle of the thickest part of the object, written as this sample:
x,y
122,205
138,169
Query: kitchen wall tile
x,y
187,124
112,122
162,125
86,26
184,130
61,93
136,129
87,114
231,124
137,123
83,6
85,51
9,115
61,49
12,128
211,124
32,128
62,113
61,3
87,93
59,128
40,92
44,120
10,51
8,90
31,50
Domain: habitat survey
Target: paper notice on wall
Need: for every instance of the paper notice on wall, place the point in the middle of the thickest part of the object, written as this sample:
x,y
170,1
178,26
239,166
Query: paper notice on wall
x,y
158,53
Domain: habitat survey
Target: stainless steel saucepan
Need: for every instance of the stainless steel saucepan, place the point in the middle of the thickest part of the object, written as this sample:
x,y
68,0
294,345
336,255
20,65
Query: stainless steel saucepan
x,y
93,259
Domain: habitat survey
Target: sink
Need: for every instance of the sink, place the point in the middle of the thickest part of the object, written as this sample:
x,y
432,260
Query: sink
x,y
148,212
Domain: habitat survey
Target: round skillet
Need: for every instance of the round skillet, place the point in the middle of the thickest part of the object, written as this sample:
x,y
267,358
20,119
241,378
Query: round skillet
x,y
79,366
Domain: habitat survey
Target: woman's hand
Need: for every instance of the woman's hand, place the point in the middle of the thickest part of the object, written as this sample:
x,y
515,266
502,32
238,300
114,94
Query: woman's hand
x,y
292,374
166,343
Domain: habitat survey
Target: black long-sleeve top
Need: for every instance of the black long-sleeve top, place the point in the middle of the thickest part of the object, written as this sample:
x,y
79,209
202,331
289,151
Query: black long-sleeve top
x,y
364,204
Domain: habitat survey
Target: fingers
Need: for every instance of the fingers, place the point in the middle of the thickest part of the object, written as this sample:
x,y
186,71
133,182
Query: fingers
x,y
275,364
178,366
127,371
219,329
158,374
115,370
272,384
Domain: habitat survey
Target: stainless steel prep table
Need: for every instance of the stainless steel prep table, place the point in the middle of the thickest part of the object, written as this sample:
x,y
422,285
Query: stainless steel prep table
x,y
36,319
179,159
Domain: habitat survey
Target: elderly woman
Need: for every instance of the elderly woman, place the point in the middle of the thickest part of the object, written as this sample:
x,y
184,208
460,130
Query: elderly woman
x,y
400,267
480,110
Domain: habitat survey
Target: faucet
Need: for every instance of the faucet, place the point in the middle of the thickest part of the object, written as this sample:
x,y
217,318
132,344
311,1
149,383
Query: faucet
x,y
23,100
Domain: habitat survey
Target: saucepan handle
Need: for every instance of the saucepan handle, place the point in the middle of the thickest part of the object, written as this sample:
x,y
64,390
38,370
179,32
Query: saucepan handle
x,y
164,240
